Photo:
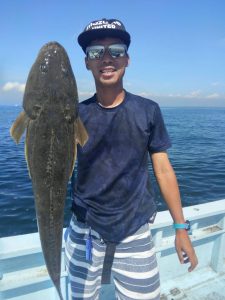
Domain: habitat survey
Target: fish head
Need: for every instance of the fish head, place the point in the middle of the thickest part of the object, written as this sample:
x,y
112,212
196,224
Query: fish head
x,y
51,84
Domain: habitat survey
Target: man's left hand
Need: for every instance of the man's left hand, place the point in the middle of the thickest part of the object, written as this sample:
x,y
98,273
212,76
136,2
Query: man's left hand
x,y
184,247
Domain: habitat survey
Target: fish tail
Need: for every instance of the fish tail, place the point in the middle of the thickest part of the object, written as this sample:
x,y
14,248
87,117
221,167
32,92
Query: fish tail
x,y
59,293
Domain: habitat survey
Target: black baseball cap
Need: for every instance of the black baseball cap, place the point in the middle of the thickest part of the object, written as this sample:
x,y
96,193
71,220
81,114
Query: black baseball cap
x,y
101,29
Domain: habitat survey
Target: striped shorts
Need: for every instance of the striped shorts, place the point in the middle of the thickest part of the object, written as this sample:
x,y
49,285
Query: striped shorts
x,y
134,268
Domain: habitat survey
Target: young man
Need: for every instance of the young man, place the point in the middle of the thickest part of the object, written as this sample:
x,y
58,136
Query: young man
x,y
113,203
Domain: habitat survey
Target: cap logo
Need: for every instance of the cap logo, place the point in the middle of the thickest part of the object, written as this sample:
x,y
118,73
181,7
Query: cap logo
x,y
117,23
103,24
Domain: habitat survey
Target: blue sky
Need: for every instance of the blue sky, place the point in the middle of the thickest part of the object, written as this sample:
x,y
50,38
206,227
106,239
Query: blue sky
x,y
177,50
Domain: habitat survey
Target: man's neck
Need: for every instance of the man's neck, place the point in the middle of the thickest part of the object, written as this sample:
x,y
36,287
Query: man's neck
x,y
110,97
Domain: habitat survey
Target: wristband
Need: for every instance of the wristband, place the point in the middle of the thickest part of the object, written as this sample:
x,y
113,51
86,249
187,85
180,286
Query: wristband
x,y
186,225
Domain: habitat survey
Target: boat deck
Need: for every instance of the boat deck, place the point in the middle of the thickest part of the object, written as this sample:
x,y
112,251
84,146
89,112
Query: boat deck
x,y
204,284
208,286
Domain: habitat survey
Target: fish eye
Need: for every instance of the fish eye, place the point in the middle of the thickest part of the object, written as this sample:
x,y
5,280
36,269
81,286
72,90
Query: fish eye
x,y
37,107
36,111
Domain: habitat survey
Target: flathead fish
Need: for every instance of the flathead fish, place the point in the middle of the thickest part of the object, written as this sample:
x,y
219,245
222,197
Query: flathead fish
x,y
53,129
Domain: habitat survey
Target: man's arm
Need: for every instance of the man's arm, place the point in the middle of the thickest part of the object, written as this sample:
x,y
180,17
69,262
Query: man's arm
x,y
167,181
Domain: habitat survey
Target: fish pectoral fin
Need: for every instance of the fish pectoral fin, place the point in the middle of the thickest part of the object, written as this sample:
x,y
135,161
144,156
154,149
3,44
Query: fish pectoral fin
x,y
81,134
19,126
81,137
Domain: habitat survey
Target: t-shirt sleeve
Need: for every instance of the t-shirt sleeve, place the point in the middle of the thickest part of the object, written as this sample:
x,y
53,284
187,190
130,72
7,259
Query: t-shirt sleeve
x,y
159,139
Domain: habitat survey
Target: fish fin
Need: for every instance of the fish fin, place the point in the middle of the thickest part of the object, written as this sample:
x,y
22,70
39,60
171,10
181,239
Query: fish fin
x,y
81,132
81,137
19,126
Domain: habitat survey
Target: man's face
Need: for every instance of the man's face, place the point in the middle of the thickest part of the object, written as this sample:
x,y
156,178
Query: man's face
x,y
107,71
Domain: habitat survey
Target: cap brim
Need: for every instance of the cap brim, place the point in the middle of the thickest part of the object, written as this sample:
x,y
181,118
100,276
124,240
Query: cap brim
x,y
86,37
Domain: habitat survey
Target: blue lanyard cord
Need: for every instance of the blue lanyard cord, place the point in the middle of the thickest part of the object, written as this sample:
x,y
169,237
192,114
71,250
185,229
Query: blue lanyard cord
x,y
89,246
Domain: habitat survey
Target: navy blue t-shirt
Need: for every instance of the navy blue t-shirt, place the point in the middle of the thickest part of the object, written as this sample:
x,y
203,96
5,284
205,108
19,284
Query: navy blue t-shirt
x,y
112,191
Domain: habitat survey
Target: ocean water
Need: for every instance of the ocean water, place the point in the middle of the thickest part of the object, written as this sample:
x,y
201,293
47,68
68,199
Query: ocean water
x,y
197,155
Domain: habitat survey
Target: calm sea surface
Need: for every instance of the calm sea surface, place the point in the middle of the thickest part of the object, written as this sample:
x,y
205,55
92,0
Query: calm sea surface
x,y
197,155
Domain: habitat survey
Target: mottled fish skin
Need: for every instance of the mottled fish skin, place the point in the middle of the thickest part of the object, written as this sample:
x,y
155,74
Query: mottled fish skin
x,y
53,130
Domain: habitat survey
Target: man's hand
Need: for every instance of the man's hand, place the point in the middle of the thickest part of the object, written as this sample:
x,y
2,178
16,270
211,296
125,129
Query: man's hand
x,y
184,247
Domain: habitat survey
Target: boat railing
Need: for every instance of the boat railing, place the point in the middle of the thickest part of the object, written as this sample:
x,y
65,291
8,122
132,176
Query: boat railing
x,y
23,274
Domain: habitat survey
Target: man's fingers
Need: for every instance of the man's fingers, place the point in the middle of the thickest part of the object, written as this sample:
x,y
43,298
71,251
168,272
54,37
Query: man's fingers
x,y
185,251
185,257
180,256
193,261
